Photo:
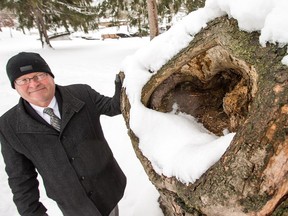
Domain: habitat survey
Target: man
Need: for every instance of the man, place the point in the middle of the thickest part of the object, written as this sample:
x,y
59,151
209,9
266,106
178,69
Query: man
x,y
64,144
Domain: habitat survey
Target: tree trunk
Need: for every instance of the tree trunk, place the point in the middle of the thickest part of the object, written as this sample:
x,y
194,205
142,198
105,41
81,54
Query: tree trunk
x,y
225,79
153,18
40,22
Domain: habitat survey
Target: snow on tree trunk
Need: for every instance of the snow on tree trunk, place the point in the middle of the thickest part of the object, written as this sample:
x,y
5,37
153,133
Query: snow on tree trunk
x,y
225,79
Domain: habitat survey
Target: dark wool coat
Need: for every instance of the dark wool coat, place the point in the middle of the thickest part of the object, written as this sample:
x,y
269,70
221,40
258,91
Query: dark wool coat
x,y
77,166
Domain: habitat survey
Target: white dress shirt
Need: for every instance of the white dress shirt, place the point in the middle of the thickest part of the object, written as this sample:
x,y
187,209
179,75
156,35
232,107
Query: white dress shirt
x,y
53,104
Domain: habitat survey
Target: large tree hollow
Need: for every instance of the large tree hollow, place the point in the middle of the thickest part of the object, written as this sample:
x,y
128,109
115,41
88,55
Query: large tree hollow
x,y
214,87
215,79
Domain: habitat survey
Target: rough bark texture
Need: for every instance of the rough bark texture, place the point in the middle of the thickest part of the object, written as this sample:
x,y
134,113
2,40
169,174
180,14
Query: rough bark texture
x,y
40,22
226,80
153,18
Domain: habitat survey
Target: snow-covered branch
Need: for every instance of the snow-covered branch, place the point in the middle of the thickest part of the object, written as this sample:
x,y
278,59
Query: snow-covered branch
x,y
79,9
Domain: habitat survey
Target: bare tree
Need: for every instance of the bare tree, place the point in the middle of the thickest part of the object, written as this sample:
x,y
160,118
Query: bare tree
x,y
7,20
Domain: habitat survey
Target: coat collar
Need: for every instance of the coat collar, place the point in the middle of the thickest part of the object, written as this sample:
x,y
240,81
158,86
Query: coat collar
x,y
25,123
70,106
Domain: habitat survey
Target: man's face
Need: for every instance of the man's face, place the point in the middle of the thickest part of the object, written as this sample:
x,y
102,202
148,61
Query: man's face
x,y
37,88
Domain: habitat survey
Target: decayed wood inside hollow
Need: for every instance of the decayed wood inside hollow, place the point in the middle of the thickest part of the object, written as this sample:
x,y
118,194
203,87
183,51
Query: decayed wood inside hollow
x,y
214,87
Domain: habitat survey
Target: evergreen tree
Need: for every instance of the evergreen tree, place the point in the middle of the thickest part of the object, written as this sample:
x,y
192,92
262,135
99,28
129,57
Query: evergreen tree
x,y
49,15
138,16
79,14
136,13
132,11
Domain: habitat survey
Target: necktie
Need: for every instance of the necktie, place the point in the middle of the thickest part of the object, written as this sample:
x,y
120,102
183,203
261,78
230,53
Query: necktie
x,y
54,120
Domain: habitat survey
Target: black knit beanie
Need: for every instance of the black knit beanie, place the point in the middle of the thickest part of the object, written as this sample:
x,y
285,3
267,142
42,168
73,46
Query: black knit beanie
x,y
25,63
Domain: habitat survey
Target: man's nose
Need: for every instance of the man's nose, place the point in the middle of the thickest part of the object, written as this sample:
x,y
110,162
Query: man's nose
x,y
33,82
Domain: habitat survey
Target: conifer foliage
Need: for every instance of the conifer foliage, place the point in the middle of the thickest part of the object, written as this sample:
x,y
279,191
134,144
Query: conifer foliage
x,y
85,14
135,12
49,15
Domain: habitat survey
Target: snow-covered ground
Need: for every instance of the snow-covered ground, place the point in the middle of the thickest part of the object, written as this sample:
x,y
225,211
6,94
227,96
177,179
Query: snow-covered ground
x,y
92,62
96,62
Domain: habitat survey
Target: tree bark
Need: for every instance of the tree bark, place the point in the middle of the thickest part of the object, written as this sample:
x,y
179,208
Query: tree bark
x,y
153,18
40,22
249,87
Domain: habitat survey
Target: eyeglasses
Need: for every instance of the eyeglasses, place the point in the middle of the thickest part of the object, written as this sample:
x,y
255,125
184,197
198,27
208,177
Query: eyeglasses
x,y
37,77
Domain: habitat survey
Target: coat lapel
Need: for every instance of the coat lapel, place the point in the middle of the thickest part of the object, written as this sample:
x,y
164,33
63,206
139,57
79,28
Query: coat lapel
x,y
25,123
70,106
